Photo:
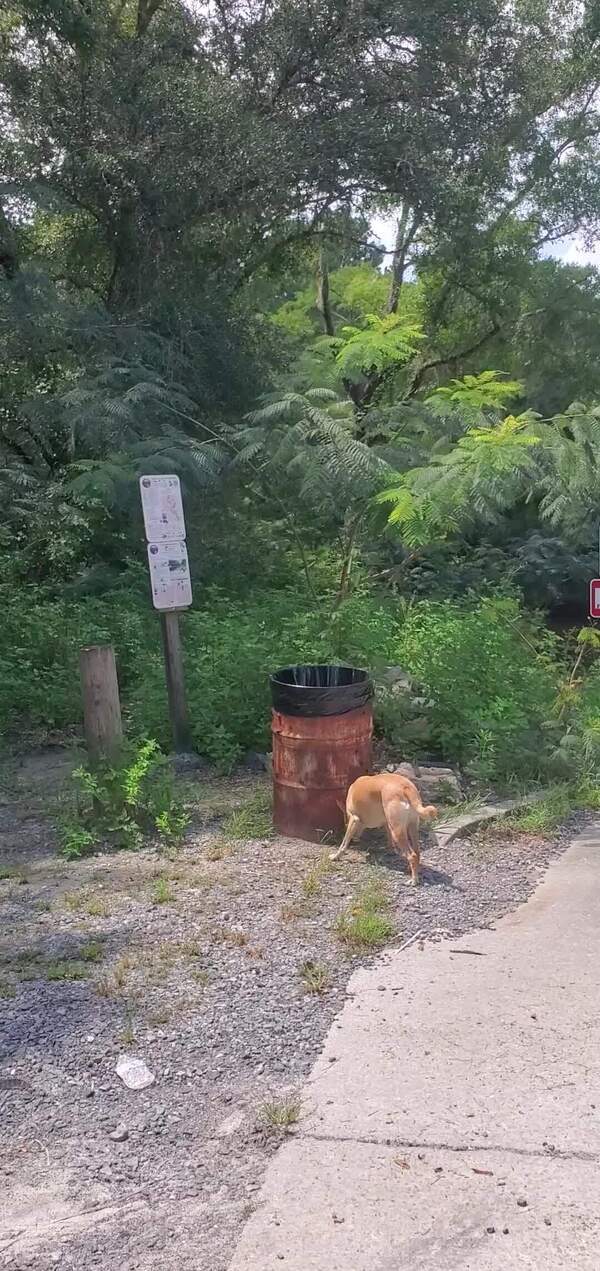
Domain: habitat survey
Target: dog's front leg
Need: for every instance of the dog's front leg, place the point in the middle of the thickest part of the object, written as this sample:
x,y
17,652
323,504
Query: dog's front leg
x,y
351,829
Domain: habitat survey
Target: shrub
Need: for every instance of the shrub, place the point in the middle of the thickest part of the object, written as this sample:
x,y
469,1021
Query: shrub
x,y
39,649
231,648
491,676
121,801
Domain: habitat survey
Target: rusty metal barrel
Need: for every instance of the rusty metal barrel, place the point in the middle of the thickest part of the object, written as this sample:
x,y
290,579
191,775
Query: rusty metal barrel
x,y
322,724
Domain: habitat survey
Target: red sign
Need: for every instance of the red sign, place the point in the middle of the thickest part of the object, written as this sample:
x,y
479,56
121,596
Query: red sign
x,y
595,598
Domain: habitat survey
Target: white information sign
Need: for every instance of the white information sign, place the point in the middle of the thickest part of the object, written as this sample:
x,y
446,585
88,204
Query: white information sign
x,y
170,574
162,508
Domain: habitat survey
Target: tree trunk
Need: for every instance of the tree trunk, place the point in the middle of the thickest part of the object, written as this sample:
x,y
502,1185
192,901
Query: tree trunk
x,y
9,260
145,13
406,228
344,583
323,302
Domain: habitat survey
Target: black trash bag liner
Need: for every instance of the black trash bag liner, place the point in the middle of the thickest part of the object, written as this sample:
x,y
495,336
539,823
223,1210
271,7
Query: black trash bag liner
x,y
315,690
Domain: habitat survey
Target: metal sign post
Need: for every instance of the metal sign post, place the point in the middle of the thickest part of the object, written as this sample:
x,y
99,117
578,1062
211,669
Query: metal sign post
x,y
171,587
595,598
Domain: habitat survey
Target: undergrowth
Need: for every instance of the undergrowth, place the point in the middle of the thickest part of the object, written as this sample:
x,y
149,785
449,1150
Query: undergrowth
x,y
549,812
253,820
492,688
121,801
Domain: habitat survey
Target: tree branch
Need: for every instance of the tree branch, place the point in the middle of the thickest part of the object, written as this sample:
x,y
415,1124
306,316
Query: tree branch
x,y
420,370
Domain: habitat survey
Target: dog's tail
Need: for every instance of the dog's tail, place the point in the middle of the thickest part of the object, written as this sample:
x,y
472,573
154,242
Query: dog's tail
x,y
413,797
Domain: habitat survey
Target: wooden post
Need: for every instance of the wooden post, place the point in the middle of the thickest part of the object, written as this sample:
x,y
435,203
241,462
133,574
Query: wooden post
x,y
101,705
173,655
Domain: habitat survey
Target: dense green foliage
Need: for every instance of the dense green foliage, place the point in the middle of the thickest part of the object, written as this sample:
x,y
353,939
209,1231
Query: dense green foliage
x,y
490,678
190,281
121,801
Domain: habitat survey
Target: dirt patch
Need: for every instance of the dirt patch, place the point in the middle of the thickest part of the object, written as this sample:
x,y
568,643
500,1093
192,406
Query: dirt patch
x,y
220,968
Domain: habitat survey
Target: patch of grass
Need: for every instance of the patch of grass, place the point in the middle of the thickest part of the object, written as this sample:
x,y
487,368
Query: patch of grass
x,y
588,794
74,900
87,902
541,817
112,981
462,808
7,990
279,1115
159,1016
162,892
218,849
311,884
156,962
34,966
97,907
298,909
26,965
201,977
128,1035
315,977
189,949
108,985
253,820
172,951
165,955
190,874
363,930
366,923
233,935
373,898
66,969
13,874
239,939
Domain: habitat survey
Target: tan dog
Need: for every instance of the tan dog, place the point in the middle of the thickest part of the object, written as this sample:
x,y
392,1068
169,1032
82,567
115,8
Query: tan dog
x,y
392,800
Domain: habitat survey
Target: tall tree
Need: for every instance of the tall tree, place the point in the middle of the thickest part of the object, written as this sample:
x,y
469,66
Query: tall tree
x,y
213,135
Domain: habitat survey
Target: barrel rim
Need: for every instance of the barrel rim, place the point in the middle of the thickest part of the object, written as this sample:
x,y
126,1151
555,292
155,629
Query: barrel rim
x,y
320,700
360,676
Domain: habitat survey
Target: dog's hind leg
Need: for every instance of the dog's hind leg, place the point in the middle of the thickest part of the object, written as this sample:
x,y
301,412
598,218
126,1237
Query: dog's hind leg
x,y
353,827
401,843
413,851
403,833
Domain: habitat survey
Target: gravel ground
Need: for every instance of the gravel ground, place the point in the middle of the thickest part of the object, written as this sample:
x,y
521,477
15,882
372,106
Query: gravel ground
x,y
193,965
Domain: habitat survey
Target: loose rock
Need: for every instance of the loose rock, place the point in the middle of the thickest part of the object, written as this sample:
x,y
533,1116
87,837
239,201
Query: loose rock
x,y
134,1073
120,1134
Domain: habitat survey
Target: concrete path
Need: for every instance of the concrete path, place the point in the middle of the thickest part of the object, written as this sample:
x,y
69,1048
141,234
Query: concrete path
x,y
453,1120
